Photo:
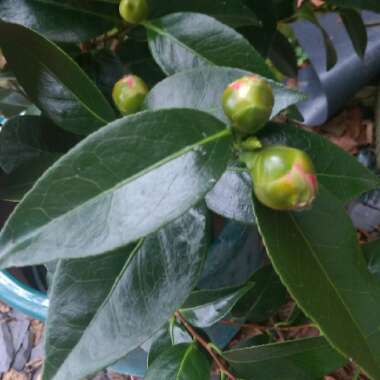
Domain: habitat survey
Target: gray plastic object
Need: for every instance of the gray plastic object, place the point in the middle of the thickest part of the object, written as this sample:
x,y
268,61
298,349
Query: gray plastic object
x,y
329,91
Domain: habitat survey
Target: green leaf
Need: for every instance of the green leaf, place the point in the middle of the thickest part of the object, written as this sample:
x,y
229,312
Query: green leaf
x,y
232,12
371,5
119,300
119,184
204,308
372,253
54,81
181,362
283,56
231,197
161,343
264,299
202,89
12,102
26,138
304,359
306,12
177,46
338,171
61,20
325,272
15,185
356,29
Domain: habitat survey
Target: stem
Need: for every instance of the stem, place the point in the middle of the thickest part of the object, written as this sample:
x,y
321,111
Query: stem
x,y
206,346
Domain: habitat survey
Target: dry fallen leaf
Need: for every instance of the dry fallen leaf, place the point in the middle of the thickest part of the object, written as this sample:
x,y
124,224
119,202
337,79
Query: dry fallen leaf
x,y
14,375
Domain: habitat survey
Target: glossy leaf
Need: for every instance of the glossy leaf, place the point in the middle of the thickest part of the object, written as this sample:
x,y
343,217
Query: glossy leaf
x,y
54,81
161,343
236,253
176,45
304,359
371,5
12,102
184,89
325,272
181,362
61,20
119,184
15,185
232,12
117,301
283,56
338,171
26,138
356,29
372,253
264,299
231,197
204,308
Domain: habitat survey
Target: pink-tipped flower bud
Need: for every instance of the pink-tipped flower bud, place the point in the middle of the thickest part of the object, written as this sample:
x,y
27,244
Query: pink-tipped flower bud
x,y
283,178
129,94
248,103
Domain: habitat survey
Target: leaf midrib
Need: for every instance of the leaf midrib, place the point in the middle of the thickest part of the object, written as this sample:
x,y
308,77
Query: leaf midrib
x,y
224,133
183,361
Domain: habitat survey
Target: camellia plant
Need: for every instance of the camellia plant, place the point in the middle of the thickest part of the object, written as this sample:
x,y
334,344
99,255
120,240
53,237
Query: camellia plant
x,y
151,151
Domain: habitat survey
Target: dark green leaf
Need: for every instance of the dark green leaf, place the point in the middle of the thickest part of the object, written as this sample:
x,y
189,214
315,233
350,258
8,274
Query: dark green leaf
x,y
203,88
325,272
261,37
304,359
206,307
306,12
231,197
139,61
54,81
104,67
61,20
161,343
12,102
338,171
181,362
119,184
264,299
178,333
283,56
16,184
372,253
371,5
176,45
117,301
356,29
232,12
26,138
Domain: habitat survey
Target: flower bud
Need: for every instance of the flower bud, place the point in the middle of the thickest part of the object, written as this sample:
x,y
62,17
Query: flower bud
x,y
248,103
129,94
134,11
283,178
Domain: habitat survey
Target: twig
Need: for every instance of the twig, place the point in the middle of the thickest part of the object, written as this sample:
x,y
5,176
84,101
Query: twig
x,y
206,346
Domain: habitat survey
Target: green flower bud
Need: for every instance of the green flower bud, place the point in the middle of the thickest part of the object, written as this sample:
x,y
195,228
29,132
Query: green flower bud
x,y
248,103
134,11
283,177
129,94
